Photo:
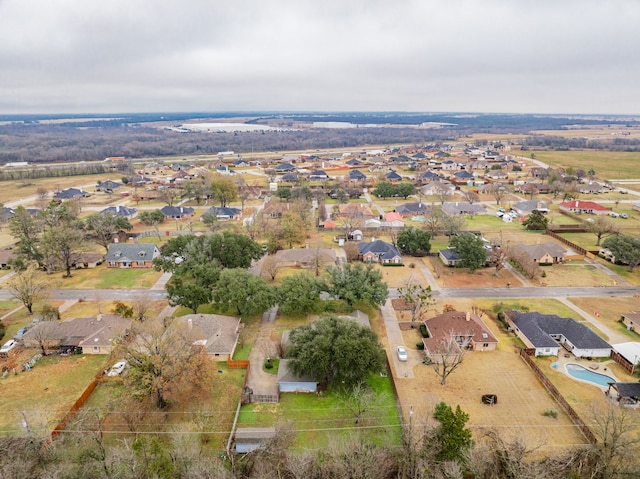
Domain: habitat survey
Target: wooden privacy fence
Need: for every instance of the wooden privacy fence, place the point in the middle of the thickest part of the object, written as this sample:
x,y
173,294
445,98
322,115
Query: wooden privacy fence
x,y
77,405
237,363
573,415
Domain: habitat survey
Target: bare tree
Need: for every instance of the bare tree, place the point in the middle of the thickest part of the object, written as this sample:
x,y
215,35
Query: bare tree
x,y
527,265
471,196
443,193
498,191
141,306
530,189
169,196
29,287
360,400
417,297
271,266
602,227
42,195
448,355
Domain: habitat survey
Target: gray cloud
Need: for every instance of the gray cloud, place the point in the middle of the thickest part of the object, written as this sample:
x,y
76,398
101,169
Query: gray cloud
x,y
160,55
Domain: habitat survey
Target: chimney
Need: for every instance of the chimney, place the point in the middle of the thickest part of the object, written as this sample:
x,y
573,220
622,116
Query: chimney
x,y
468,318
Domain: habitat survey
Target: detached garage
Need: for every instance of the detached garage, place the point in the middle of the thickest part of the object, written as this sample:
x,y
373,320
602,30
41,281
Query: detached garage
x,y
291,383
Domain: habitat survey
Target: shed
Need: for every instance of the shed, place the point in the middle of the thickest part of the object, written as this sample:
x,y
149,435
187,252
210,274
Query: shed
x,y
288,382
248,439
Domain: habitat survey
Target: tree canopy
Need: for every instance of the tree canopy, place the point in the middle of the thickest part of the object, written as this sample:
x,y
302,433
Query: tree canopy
x,y
452,438
471,251
536,221
103,226
246,293
223,189
626,249
414,242
357,282
300,293
335,351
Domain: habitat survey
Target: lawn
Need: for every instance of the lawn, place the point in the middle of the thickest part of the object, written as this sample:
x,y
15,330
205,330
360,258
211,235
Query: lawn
x,y
45,394
610,311
103,277
209,412
320,419
573,274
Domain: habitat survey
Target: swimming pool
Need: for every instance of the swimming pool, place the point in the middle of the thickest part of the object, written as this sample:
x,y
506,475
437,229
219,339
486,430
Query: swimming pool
x,y
580,372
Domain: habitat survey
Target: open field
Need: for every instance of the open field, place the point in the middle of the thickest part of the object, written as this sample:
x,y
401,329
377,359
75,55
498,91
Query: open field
x,y
320,420
610,311
573,274
45,393
612,165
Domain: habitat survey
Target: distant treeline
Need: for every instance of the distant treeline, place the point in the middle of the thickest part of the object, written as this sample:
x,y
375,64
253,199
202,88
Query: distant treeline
x,y
31,139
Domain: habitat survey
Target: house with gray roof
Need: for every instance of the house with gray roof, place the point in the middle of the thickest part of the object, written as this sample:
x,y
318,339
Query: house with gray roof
x,y
247,439
379,251
122,211
547,333
392,176
458,208
177,212
224,213
449,256
109,185
544,253
524,208
131,255
318,175
417,208
91,335
290,382
357,175
217,334
70,194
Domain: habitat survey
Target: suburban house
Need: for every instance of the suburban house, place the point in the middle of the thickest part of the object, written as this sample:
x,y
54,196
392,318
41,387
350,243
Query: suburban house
x,y
392,176
128,255
306,257
224,213
70,194
438,188
90,335
355,210
631,321
177,212
393,220
462,176
463,208
524,208
275,209
87,260
449,256
584,207
591,188
217,334
413,209
108,185
288,382
289,178
284,168
318,175
547,333
467,329
545,253
6,255
379,251
357,175
122,211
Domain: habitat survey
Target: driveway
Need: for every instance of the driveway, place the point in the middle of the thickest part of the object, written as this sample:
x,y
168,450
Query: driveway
x,y
394,337
261,382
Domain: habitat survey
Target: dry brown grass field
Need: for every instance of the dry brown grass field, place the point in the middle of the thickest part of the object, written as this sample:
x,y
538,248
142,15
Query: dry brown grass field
x,y
522,399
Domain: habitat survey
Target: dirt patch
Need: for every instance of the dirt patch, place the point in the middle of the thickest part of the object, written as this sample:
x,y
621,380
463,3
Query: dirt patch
x,y
522,399
461,278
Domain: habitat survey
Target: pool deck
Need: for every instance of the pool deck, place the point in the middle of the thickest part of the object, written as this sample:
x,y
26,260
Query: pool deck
x,y
592,366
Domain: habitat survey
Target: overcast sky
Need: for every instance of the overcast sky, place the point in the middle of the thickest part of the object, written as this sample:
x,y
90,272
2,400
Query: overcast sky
x,y
542,56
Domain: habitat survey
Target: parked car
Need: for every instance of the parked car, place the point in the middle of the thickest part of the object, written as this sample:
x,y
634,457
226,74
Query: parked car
x,y
624,216
402,354
117,368
8,346
20,333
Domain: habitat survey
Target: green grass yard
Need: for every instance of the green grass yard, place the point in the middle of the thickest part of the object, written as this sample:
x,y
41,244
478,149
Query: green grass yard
x,y
319,420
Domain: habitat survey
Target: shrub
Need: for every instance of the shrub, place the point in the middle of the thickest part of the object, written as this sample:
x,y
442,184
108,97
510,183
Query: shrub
x,y
122,309
550,413
420,346
423,331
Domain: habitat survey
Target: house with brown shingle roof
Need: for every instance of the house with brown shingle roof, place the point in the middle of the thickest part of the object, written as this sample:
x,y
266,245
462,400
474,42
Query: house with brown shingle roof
x,y
91,335
306,257
217,334
466,328
351,210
